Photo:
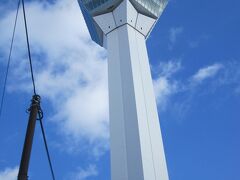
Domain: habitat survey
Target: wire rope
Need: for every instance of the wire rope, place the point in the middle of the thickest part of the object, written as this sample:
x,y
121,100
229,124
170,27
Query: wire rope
x,y
46,148
28,48
9,60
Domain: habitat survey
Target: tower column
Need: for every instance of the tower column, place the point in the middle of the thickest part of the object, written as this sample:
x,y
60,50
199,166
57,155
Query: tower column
x,y
137,151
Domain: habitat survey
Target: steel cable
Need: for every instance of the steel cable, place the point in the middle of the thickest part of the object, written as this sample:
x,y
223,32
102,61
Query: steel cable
x,y
46,147
9,60
28,47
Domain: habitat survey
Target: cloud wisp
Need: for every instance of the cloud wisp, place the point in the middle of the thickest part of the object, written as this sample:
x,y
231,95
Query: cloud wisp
x,y
164,85
174,32
9,173
207,79
206,73
82,174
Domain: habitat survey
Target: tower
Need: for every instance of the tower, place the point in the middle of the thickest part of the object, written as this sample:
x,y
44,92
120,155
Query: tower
x,y
122,27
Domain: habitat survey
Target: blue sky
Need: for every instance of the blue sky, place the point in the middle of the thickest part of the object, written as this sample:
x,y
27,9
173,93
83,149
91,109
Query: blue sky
x,y
195,60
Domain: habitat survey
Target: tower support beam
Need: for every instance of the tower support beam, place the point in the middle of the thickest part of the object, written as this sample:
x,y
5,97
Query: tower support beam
x,y
136,143
122,26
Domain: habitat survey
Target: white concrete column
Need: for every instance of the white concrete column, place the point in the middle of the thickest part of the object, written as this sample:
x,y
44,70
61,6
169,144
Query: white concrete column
x,y
137,151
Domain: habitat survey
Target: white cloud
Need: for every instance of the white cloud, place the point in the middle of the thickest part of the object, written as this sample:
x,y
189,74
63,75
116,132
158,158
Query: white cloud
x,y
9,174
174,32
200,39
206,72
163,90
70,70
164,85
84,174
167,69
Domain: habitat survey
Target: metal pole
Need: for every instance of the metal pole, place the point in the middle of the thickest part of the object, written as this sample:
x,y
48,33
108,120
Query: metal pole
x,y
23,170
